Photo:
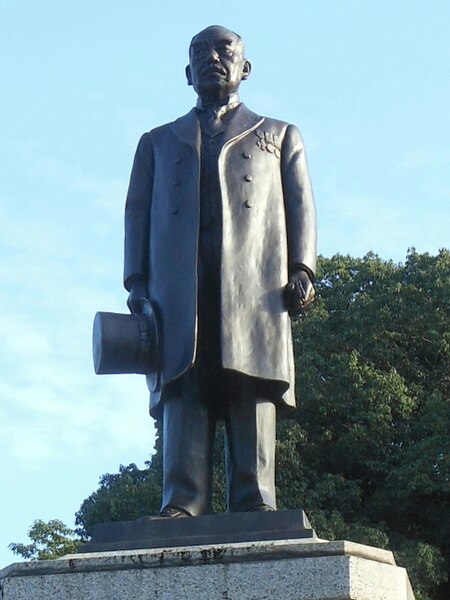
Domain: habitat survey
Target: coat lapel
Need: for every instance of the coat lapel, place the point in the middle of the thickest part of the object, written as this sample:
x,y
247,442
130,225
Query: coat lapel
x,y
242,120
187,129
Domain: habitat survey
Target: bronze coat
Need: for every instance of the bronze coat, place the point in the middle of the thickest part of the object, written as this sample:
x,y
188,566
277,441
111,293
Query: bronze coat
x,y
269,223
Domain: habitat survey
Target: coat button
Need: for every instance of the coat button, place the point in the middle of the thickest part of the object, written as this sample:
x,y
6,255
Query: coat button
x,y
248,204
246,155
174,210
248,177
176,184
178,160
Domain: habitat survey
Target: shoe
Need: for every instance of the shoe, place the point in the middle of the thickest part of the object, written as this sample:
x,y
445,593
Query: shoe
x,y
261,508
173,512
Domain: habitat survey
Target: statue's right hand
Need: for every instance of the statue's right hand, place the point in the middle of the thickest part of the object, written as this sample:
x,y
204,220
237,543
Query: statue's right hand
x,y
137,292
299,292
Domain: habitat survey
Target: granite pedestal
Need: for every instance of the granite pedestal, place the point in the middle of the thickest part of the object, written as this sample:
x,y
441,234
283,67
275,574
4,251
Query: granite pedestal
x,y
276,570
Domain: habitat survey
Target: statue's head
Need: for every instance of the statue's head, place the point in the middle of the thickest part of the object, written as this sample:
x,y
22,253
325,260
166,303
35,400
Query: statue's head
x,y
217,63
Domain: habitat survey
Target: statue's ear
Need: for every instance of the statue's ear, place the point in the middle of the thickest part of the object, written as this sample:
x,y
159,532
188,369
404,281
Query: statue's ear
x,y
188,75
246,69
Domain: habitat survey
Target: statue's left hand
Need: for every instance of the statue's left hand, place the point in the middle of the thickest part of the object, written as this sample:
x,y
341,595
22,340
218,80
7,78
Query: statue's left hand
x,y
300,292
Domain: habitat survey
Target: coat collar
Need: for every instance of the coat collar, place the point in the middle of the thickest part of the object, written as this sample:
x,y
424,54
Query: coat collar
x,y
187,127
242,120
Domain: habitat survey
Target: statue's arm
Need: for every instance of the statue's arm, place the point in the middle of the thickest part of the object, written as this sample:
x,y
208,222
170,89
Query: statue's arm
x,y
301,223
137,223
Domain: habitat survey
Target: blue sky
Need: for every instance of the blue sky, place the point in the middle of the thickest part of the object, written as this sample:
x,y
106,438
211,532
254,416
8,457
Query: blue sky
x,y
366,81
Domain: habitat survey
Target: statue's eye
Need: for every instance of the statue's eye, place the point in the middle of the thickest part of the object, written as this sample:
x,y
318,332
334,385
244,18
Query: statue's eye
x,y
226,50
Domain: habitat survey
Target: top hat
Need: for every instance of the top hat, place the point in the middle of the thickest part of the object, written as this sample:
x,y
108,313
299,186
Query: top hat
x,y
127,343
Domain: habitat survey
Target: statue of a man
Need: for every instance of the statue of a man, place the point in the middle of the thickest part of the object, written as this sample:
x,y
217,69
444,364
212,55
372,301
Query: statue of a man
x,y
220,236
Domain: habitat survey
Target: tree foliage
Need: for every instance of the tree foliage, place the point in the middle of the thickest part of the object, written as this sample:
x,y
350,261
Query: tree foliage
x,y
51,539
367,454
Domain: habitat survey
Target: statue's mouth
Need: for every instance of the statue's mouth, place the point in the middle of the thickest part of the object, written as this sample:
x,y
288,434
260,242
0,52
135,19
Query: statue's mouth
x,y
214,71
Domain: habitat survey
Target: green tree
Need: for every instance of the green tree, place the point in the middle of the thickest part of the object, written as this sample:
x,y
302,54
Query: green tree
x,y
51,539
124,496
368,456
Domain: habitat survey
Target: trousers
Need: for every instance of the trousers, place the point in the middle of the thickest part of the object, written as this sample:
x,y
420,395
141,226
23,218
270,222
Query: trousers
x,y
206,394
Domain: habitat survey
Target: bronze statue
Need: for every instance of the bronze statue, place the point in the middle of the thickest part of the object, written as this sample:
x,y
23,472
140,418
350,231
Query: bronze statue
x,y
220,237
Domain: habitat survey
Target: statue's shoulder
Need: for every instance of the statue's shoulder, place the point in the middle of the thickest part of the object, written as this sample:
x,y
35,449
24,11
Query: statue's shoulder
x,y
160,133
278,125
275,123
163,129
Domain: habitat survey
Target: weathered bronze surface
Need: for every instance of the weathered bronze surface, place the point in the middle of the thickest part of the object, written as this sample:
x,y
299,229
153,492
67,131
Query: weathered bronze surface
x,y
220,237
127,343
157,532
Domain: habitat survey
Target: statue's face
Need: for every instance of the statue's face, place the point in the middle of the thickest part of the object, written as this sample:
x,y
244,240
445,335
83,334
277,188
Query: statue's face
x,y
217,64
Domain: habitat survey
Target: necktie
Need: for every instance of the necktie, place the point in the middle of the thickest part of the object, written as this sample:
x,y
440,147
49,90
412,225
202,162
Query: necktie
x,y
214,120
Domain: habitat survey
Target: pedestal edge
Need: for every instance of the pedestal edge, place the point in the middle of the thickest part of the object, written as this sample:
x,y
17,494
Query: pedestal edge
x,y
195,555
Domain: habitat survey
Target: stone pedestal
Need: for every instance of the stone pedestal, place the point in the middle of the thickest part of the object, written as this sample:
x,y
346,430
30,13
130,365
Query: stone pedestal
x,y
276,570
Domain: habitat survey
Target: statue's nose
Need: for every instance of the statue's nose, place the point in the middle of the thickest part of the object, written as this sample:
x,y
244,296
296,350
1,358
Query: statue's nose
x,y
213,56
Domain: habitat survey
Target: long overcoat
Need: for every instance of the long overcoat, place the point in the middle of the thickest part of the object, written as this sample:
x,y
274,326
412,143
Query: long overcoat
x,y
268,223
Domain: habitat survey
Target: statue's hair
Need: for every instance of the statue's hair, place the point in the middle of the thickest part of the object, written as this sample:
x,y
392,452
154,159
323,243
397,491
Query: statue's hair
x,y
238,37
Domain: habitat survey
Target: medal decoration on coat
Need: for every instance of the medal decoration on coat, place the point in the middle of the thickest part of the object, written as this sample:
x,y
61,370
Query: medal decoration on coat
x,y
269,142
